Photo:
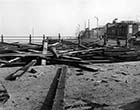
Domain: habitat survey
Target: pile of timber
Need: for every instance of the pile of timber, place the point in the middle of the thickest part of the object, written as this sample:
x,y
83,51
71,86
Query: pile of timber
x,y
106,54
16,54
64,52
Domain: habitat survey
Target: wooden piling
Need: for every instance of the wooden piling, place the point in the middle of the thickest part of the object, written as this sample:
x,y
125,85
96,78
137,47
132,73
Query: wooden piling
x,y
43,37
79,40
59,37
30,39
2,38
45,47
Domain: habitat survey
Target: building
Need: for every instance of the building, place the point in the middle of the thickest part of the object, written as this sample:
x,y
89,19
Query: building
x,y
93,33
122,30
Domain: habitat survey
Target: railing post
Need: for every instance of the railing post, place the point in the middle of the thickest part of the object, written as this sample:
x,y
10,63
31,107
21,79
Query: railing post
x,y
2,38
45,47
30,39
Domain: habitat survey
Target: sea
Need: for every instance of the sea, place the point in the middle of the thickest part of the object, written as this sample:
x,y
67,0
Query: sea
x,y
25,39
22,40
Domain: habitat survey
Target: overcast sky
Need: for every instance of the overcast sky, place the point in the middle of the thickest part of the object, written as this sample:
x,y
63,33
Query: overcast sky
x,y
50,17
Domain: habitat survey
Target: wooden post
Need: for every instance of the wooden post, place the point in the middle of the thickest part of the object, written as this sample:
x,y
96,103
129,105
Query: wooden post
x,y
43,37
105,39
127,38
43,40
59,37
45,47
2,38
30,39
79,40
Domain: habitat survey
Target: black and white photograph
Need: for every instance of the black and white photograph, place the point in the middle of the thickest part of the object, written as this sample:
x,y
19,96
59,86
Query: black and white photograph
x,y
69,54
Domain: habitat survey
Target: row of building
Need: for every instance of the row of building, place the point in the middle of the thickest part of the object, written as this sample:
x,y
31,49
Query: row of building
x,y
114,30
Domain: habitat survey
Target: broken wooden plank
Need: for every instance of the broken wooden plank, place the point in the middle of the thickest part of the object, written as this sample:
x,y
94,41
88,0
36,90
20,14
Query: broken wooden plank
x,y
86,68
66,61
35,51
48,102
53,50
13,60
55,44
40,45
58,103
82,46
20,52
102,61
10,61
81,51
20,71
71,58
15,64
3,61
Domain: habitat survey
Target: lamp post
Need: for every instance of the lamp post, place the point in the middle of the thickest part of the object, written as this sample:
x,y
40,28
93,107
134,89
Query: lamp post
x,y
78,28
97,23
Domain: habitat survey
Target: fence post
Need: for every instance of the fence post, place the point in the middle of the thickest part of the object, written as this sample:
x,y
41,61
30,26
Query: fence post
x,y
2,38
45,47
30,39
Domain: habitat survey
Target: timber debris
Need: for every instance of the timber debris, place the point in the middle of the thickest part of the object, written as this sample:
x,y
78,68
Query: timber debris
x,y
66,52
20,71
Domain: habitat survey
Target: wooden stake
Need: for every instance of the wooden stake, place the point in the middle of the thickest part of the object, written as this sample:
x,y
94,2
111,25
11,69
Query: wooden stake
x,y
2,38
59,37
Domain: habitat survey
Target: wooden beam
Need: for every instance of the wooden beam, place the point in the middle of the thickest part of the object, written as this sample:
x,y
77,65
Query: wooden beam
x,y
2,38
48,103
30,39
86,68
54,51
58,103
20,71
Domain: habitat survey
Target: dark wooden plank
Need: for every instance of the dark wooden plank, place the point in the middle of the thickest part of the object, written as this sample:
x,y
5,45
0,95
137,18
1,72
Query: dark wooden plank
x,y
20,71
58,103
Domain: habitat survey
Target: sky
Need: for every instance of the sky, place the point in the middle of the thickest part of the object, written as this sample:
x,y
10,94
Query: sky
x,y
50,17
